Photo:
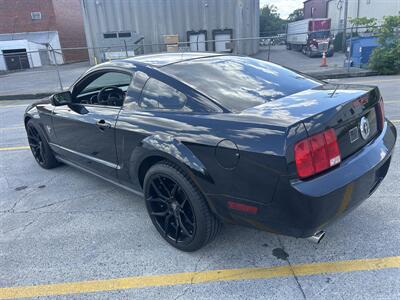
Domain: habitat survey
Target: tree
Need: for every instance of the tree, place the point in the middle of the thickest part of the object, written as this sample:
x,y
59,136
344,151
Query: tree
x,y
270,21
296,15
369,24
386,58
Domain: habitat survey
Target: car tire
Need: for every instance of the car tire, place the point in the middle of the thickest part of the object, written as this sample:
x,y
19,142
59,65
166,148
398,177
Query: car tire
x,y
178,209
40,148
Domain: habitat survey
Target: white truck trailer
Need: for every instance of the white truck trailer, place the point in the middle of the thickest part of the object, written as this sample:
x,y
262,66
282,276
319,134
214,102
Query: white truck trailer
x,y
311,36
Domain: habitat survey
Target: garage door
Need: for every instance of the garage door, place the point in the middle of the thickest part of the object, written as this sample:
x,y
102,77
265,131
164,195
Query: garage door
x,y
16,59
197,41
222,40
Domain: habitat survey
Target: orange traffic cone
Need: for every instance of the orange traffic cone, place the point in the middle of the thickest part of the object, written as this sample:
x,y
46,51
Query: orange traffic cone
x,y
323,63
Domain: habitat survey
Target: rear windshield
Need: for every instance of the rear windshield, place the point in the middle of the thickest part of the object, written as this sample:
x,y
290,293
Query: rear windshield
x,y
239,83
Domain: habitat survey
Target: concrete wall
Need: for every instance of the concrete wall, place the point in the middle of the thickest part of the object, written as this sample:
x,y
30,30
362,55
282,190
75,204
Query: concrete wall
x,y
33,58
315,9
32,42
154,18
362,8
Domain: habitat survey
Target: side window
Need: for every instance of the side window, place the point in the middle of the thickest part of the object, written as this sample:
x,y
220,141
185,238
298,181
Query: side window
x,y
158,95
103,88
108,79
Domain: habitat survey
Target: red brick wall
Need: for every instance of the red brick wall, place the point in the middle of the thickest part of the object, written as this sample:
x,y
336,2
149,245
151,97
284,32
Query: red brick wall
x,y
319,8
69,22
15,16
63,16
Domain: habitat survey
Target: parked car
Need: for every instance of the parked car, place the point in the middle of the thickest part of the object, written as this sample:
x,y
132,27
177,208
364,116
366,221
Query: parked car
x,y
209,138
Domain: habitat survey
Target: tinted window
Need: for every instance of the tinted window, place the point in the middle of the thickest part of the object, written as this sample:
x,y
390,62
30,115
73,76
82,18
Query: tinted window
x,y
124,34
240,82
158,95
108,79
110,35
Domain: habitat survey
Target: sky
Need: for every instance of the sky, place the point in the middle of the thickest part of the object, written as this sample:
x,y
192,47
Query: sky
x,y
285,7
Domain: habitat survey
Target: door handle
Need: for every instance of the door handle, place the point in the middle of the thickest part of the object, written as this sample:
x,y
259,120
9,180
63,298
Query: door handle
x,y
103,124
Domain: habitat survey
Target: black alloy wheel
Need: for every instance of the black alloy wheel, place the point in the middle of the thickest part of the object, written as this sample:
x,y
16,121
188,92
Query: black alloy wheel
x,y
40,149
36,144
177,209
171,209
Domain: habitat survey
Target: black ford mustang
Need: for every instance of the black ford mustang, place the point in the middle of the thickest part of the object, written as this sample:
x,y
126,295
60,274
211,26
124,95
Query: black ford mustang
x,y
210,138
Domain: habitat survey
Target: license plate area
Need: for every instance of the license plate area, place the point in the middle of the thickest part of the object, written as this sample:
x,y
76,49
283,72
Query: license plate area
x,y
350,136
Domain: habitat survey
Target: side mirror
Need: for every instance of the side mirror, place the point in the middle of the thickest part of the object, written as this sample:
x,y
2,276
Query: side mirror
x,y
62,98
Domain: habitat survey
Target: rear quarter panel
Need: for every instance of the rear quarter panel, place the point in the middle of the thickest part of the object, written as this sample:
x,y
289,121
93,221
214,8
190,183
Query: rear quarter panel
x,y
191,141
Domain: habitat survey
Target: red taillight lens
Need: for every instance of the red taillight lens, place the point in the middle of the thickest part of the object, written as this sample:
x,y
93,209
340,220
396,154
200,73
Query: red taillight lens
x,y
317,153
303,157
381,114
332,147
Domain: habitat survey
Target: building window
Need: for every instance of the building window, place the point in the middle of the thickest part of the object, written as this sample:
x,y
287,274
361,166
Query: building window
x,y
124,34
312,11
111,35
36,15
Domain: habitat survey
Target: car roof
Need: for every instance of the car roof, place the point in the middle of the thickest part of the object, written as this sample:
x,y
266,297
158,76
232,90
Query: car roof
x,y
163,59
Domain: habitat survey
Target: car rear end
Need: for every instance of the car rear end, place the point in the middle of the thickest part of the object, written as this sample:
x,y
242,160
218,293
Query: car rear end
x,y
341,162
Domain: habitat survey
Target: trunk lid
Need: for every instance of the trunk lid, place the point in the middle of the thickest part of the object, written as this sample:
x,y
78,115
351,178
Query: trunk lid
x,y
341,107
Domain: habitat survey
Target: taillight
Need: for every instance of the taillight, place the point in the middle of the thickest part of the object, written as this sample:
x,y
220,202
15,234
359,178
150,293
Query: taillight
x,y
381,114
317,153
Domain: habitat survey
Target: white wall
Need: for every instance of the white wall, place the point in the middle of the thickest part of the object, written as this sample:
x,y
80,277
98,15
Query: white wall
x,y
32,42
54,41
34,59
368,8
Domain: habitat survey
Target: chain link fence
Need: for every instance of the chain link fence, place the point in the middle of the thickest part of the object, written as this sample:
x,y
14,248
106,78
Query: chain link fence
x,y
50,70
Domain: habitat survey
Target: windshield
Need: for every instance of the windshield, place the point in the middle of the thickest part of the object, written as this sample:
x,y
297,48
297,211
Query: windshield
x,y
320,34
239,83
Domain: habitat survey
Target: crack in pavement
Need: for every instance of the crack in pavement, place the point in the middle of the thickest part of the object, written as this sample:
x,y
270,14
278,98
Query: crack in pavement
x,y
291,269
186,289
22,227
12,210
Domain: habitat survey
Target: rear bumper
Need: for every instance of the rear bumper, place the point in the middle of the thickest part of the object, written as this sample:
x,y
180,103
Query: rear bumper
x,y
301,208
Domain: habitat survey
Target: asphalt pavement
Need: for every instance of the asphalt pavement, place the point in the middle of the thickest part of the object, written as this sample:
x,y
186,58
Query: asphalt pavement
x,y
64,232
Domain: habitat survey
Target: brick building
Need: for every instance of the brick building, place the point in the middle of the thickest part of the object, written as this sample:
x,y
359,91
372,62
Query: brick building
x,y
315,9
29,28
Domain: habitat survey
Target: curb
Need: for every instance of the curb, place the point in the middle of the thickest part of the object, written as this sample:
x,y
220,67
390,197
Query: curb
x,y
323,76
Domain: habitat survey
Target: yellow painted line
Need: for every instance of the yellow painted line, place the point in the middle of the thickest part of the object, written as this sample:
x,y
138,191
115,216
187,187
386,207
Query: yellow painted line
x,y
15,148
199,277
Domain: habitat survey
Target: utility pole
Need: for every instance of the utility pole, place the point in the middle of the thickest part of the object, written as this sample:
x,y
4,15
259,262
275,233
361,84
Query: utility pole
x,y
346,9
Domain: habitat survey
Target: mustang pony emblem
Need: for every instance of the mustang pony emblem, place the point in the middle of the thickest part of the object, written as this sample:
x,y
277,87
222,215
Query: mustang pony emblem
x,y
364,128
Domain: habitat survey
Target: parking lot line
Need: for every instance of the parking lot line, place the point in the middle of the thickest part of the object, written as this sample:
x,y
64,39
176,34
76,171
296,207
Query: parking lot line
x,y
15,148
12,128
199,277
13,106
